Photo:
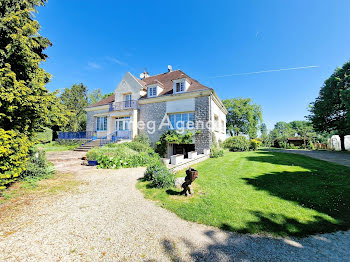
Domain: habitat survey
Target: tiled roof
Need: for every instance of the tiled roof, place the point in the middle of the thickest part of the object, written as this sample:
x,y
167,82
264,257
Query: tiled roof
x,y
105,101
166,80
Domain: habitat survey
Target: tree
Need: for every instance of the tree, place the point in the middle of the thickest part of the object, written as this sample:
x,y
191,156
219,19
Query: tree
x,y
25,103
304,129
107,95
95,96
75,99
243,116
264,133
331,109
282,131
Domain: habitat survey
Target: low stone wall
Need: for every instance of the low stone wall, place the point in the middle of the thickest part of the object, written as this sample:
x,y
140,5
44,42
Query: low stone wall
x,y
187,163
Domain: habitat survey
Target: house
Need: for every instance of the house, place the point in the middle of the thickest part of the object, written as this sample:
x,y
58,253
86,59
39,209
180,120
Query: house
x,y
154,104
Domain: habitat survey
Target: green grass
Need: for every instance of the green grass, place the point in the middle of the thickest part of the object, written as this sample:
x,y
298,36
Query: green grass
x,y
264,192
54,146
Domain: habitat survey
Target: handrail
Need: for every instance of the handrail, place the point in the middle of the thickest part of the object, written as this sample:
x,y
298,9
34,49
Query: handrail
x,y
123,105
115,136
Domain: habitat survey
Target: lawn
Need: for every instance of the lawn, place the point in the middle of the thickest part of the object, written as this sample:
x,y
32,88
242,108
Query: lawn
x,y
264,192
54,146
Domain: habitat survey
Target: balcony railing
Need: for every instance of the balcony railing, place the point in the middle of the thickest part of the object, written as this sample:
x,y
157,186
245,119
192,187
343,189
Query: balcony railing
x,y
77,135
123,105
115,136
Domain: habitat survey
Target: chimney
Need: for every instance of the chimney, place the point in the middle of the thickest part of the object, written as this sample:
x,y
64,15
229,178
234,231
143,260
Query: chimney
x,y
170,68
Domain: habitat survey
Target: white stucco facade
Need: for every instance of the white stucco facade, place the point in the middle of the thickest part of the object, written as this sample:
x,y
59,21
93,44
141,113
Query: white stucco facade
x,y
218,118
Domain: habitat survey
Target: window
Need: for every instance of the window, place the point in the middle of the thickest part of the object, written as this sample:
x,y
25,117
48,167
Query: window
x,y
152,91
127,101
216,123
223,126
102,123
180,87
181,121
122,123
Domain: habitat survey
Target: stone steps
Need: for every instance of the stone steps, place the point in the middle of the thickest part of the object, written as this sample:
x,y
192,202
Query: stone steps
x,y
88,146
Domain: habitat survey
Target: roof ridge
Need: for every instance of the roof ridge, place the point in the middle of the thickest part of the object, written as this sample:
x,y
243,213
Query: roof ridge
x,y
164,73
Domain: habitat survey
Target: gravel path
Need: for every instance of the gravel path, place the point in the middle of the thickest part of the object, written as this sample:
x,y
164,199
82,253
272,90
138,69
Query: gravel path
x,y
109,220
340,158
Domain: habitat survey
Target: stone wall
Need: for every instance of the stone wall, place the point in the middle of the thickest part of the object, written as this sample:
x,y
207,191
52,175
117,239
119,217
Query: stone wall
x,y
187,163
153,112
202,113
91,120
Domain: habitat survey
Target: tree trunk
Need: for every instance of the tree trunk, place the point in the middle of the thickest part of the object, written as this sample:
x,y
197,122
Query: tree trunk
x,y
55,130
342,142
231,133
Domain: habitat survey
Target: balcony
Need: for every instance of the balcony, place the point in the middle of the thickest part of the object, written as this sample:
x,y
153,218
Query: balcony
x,y
123,105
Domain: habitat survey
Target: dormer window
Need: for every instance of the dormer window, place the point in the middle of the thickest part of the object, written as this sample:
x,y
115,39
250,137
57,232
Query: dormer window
x,y
152,91
180,87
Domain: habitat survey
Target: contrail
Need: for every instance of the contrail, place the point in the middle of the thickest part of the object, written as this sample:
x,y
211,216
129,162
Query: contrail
x,y
267,71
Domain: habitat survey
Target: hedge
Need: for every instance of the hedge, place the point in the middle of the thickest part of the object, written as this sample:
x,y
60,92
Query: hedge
x,y
237,143
13,155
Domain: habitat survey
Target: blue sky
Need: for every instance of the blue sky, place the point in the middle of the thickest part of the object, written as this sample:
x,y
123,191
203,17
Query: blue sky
x,y
96,42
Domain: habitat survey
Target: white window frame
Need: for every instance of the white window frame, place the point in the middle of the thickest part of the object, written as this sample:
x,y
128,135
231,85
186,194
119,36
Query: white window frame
x,y
181,87
216,123
184,118
125,123
101,125
127,100
223,126
152,91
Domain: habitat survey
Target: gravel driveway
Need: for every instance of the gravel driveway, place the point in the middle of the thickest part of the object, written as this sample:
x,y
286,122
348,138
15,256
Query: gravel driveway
x,y
340,158
109,220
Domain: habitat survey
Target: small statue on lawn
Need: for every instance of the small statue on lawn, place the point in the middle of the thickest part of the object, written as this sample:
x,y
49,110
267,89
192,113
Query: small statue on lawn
x,y
191,175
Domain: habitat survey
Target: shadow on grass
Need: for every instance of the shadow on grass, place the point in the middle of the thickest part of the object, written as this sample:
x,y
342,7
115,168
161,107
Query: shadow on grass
x,y
281,225
323,187
173,192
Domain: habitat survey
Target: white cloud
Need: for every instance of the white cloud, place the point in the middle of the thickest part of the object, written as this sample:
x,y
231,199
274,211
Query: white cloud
x,y
116,61
94,65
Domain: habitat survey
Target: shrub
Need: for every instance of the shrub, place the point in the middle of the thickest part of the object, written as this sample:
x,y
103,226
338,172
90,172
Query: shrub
x,y
311,145
255,144
237,143
143,139
283,144
13,156
172,136
216,151
162,177
131,154
151,169
139,147
37,167
43,137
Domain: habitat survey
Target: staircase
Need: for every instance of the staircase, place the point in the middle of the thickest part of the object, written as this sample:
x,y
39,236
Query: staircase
x,y
115,137
87,146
